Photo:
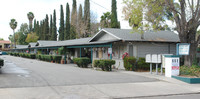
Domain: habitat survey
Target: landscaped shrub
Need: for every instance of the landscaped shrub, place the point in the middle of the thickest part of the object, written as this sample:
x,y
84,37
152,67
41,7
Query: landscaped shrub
x,y
105,65
38,56
16,54
130,63
1,62
82,62
11,53
57,58
142,65
191,71
32,56
47,58
96,63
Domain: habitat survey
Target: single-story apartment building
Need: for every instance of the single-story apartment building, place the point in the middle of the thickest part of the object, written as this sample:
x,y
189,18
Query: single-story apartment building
x,y
5,45
117,41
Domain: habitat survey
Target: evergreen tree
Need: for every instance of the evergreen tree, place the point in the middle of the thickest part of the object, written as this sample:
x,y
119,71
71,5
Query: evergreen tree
x,y
46,28
67,24
74,14
51,27
87,18
34,24
43,30
38,28
54,31
72,32
61,29
114,20
80,22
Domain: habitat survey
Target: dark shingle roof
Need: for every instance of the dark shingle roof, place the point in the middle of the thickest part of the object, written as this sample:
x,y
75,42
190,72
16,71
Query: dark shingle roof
x,y
31,44
129,35
21,46
42,43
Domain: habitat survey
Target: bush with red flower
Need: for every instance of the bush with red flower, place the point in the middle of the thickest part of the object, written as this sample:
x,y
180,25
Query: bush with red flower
x,y
125,55
129,61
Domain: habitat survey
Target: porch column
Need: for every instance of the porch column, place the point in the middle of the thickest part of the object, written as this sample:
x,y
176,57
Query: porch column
x,y
91,54
80,52
111,53
47,51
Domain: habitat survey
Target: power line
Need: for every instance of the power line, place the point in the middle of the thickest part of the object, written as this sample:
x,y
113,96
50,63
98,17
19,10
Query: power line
x,y
98,5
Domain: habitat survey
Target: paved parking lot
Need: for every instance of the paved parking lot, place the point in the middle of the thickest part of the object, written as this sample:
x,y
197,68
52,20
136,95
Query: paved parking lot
x,y
22,78
21,72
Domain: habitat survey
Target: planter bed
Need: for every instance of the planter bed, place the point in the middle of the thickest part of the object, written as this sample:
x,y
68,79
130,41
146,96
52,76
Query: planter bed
x,y
188,79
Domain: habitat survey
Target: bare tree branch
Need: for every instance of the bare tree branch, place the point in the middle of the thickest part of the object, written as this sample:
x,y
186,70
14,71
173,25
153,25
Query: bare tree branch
x,y
198,39
197,12
183,15
191,7
176,16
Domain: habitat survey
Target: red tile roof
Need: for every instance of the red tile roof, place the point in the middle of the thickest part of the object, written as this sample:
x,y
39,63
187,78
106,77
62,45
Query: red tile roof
x,y
7,42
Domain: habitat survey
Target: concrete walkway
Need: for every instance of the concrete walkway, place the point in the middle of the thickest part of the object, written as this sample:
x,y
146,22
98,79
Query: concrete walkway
x,y
109,89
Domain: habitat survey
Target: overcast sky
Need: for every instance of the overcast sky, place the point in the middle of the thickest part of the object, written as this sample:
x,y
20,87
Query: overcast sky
x,y
18,10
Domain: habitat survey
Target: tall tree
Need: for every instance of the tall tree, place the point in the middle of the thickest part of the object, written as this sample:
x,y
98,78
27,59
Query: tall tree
x,y
13,26
22,34
87,18
41,31
32,37
54,31
185,14
34,25
61,28
146,15
46,28
106,20
114,20
30,16
80,26
51,27
74,15
67,24
38,28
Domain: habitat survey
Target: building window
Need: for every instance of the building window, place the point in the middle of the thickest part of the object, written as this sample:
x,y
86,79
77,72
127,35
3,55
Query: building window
x,y
130,50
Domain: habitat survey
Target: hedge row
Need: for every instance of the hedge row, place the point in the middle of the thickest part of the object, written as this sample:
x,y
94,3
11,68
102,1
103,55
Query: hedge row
x,y
1,62
131,63
25,55
82,62
105,65
47,58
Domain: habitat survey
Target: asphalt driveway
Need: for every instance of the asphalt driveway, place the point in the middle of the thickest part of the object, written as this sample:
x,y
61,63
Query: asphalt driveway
x,y
22,72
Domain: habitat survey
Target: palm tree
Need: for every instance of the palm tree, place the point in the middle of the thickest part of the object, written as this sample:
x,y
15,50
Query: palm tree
x,y
30,16
13,25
